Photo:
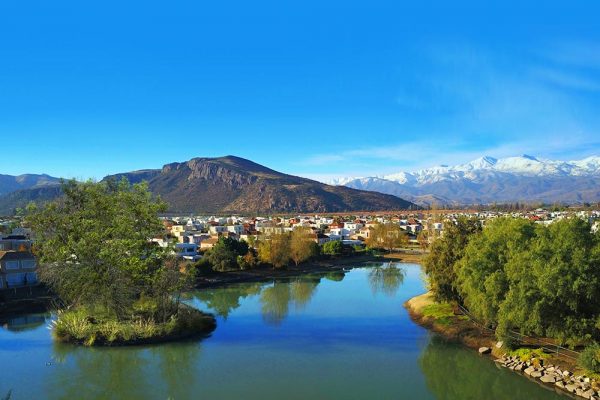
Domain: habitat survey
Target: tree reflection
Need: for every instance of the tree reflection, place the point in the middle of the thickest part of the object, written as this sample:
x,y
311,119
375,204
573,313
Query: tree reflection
x,y
100,373
224,300
386,278
124,372
277,299
452,373
302,290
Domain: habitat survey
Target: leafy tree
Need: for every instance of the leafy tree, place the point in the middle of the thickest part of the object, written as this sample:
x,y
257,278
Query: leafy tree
x,y
333,248
388,236
224,254
302,245
444,253
553,284
275,250
94,247
481,274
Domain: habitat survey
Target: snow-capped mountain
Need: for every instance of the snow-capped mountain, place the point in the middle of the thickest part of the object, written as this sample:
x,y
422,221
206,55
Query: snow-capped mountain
x,y
487,179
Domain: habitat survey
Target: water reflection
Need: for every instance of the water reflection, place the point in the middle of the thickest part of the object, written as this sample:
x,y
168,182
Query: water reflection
x,y
24,322
454,373
278,297
103,373
386,278
224,300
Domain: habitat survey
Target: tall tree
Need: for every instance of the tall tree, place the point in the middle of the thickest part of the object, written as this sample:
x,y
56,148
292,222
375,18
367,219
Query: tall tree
x,y
302,246
445,252
94,247
275,250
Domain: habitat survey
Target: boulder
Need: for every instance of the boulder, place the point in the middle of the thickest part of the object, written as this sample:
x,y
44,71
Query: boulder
x,y
548,379
485,350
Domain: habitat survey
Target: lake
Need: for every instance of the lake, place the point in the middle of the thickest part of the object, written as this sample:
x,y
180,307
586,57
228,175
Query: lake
x,y
320,336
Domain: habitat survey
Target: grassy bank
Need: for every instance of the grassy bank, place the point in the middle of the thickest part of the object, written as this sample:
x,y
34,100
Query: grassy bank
x,y
447,321
80,327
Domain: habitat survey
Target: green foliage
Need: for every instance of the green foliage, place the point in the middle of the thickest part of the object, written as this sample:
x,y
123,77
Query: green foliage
x,y
224,254
333,248
518,275
302,246
526,354
445,253
275,250
590,358
94,244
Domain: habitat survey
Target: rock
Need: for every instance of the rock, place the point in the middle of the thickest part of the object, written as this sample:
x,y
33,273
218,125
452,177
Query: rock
x,y
485,350
499,345
570,387
566,373
548,379
529,370
588,394
536,374
560,384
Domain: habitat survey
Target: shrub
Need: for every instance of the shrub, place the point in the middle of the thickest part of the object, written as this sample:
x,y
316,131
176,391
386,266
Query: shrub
x,y
590,358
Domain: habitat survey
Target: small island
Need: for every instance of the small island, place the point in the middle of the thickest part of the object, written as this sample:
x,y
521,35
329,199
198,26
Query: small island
x,y
115,285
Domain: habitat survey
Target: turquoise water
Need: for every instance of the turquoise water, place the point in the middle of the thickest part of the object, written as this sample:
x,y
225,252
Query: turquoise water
x,y
335,336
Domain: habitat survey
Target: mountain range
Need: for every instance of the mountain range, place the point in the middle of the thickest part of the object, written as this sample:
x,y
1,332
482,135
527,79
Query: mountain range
x,y
488,180
226,185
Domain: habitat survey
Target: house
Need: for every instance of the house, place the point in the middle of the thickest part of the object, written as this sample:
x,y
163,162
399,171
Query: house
x,y
207,244
187,251
17,269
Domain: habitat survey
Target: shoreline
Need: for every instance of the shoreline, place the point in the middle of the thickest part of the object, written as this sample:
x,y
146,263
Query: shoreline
x,y
220,279
43,302
553,372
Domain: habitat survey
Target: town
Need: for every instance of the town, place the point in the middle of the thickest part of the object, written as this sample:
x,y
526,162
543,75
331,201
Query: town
x,y
195,235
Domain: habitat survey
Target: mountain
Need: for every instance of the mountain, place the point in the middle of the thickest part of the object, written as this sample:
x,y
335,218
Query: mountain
x,y
236,185
228,185
9,183
487,180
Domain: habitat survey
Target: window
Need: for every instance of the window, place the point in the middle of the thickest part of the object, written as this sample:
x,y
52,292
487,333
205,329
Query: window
x,y
28,264
16,279
12,264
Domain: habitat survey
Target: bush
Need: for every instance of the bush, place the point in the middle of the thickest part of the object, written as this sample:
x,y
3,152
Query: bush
x,y
590,358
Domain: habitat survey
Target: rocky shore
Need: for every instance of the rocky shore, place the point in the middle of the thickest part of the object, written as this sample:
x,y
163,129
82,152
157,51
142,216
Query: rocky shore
x,y
550,374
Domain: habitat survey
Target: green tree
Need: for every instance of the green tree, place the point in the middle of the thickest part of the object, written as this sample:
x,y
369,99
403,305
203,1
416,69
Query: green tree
x,y
302,246
481,274
275,250
333,248
94,248
444,253
224,254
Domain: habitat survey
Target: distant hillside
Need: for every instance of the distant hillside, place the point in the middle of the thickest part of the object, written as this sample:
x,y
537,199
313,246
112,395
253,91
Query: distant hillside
x,y
236,185
21,198
231,185
9,183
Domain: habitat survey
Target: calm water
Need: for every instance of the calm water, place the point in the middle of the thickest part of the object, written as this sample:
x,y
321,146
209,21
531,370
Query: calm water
x,y
336,336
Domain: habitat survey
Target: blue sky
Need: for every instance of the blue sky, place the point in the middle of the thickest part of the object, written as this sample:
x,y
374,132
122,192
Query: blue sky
x,y
313,88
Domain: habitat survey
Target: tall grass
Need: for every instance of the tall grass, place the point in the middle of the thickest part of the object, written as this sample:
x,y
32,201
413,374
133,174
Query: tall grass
x,y
80,326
